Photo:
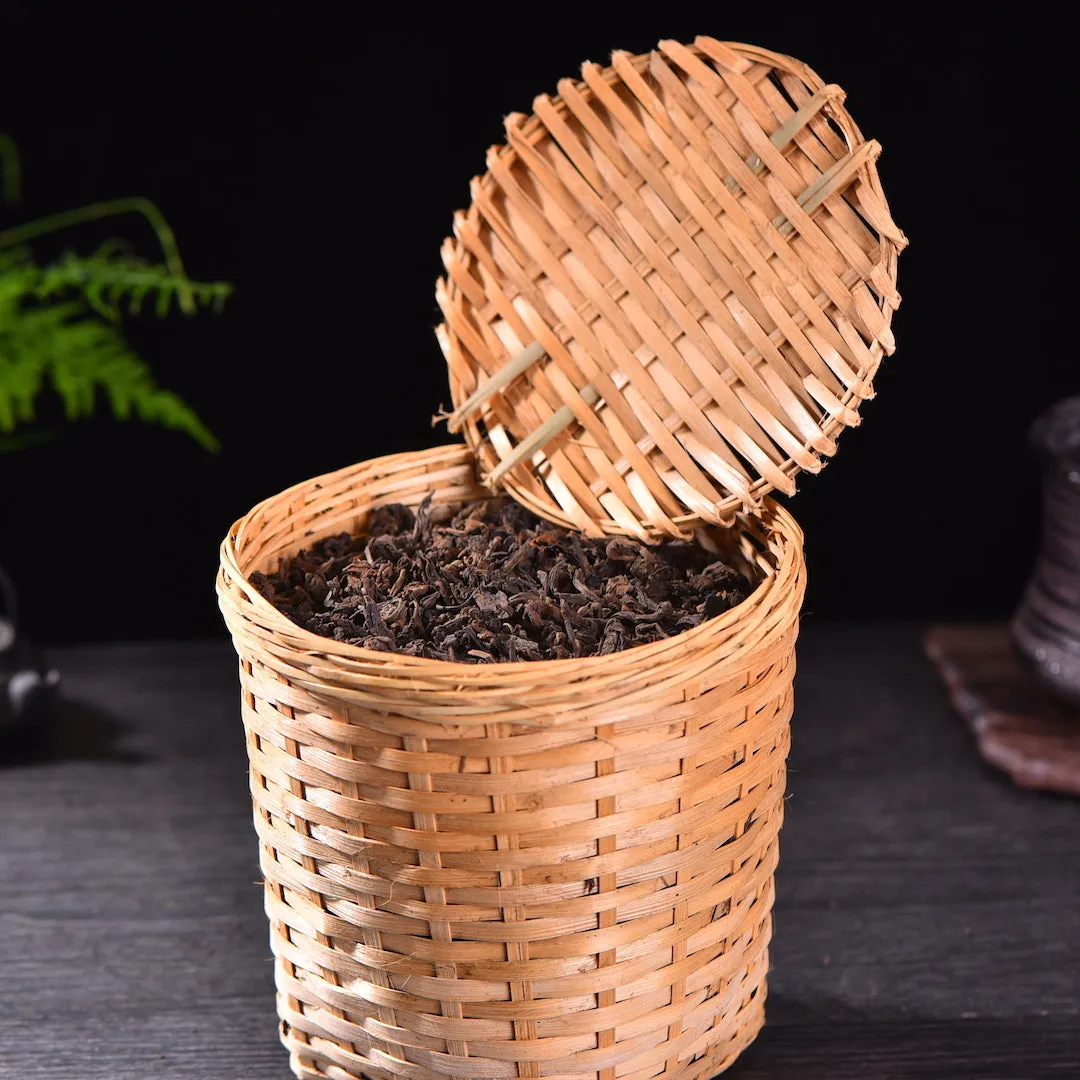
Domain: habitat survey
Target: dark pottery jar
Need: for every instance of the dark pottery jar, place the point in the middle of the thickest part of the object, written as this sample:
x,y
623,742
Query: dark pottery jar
x,y
1046,626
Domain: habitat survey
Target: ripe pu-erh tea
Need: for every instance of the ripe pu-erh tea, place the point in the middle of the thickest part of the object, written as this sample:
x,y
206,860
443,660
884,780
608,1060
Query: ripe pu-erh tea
x,y
496,582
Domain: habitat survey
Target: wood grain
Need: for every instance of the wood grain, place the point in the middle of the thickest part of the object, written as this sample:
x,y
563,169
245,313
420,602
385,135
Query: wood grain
x,y
132,939
928,923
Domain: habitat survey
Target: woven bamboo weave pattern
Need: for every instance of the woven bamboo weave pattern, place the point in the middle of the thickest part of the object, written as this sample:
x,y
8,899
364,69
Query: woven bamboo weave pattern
x,y
671,291
556,869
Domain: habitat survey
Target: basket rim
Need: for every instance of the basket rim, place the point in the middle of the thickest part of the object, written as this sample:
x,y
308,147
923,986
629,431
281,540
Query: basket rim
x,y
781,524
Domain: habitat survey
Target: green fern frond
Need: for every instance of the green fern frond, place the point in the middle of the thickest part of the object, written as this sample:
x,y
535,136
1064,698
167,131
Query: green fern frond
x,y
59,323
20,235
18,275
65,346
110,278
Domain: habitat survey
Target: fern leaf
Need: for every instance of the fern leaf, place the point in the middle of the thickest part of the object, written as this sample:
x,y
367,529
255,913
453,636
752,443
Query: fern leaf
x,y
59,324
105,280
80,355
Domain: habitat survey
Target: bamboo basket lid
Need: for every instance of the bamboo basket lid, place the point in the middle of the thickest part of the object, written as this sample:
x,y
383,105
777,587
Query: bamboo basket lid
x,y
671,291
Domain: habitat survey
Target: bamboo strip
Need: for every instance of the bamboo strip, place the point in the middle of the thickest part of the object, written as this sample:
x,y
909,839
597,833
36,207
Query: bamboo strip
x,y
499,381
539,438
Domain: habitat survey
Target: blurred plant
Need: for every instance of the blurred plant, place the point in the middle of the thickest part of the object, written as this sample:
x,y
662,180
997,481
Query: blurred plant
x,y
60,321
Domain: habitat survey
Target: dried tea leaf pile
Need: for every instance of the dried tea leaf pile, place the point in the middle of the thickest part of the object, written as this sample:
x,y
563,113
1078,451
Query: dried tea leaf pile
x,y
497,583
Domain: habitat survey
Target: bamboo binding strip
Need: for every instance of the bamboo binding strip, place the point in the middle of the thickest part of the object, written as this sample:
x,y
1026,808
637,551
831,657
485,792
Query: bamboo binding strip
x,y
556,869
671,291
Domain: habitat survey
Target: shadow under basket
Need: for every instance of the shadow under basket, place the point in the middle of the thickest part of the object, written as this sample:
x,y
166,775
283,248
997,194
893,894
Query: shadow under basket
x,y
558,869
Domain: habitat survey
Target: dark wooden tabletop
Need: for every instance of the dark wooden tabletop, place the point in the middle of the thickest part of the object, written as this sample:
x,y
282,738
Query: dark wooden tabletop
x,y
927,920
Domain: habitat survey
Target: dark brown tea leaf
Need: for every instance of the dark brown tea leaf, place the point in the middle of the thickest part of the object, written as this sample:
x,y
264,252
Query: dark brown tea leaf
x,y
497,583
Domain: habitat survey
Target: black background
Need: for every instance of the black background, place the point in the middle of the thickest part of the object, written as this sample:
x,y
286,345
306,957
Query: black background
x,y
314,154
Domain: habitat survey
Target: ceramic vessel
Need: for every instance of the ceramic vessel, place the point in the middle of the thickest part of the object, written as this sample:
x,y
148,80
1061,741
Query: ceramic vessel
x,y
1046,626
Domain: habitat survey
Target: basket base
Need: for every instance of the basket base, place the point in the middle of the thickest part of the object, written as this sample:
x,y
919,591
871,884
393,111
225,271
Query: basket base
x,y
715,1060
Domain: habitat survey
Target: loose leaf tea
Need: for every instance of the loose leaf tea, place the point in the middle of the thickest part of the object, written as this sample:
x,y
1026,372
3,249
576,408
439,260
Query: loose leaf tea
x,y
497,583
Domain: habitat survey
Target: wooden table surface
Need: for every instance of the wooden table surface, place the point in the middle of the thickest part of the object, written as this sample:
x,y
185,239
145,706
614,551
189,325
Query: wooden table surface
x,y
927,921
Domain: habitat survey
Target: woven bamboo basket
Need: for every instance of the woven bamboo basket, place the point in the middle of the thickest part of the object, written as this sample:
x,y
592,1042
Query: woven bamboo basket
x,y
669,296
546,868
